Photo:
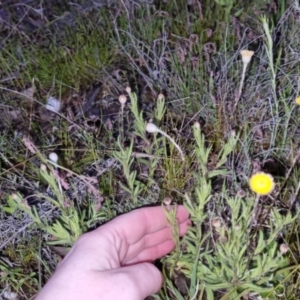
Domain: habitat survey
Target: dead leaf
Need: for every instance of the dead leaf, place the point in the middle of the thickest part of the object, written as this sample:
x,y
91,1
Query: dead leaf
x,y
14,115
29,93
89,181
29,145
45,115
99,201
62,181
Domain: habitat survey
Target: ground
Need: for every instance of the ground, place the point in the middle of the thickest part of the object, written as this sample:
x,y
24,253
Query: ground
x,y
65,72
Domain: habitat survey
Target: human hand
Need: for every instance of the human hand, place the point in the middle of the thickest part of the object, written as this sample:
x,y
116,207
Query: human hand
x,y
113,261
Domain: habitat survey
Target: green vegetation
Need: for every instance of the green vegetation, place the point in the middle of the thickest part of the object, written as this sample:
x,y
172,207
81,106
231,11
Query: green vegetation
x,y
185,74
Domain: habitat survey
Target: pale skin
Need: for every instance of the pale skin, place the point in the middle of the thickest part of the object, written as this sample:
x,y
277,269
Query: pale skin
x,y
114,261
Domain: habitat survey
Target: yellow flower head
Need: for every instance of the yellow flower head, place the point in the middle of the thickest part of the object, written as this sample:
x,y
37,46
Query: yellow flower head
x,y
246,56
298,100
261,183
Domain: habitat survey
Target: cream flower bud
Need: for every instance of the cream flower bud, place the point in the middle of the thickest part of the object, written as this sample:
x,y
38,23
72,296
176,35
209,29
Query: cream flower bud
x,y
167,201
128,89
233,133
122,99
15,196
216,223
53,157
284,248
160,97
151,128
197,125
43,167
241,194
237,227
246,56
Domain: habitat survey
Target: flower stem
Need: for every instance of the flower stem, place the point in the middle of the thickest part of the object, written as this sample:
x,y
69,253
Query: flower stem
x,y
176,145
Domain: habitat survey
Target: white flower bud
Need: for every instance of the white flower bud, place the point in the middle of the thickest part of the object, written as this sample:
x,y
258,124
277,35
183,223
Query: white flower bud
x,y
284,248
53,157
160,97
43,167
167,201
151,128
216,223
233,133
122,99
197,125
128,89
15,196
241,194
237,227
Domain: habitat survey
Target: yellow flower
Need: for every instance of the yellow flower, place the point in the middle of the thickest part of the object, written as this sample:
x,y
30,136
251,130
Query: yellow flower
x,y
246,56
261,183
298,100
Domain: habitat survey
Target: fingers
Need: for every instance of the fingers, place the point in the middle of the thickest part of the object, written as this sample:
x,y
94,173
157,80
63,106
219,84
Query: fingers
x,y
151,254
137,281
134,231
153,246
138,236
138,223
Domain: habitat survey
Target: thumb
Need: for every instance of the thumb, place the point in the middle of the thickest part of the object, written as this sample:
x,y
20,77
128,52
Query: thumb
x,y
138,281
